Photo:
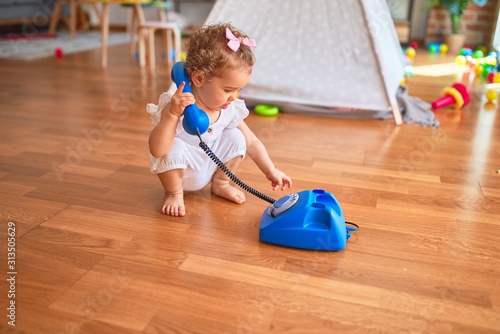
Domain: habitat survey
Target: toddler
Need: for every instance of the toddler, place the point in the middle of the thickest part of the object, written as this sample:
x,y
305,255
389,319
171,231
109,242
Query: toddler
x,y
219,62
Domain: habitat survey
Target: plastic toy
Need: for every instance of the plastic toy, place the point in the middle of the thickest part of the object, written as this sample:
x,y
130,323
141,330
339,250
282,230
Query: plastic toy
x,y
465,51
414,45
433,48
487,69
460,60
410,52
489,78
443,48
457,95
491,95
266,110
310,219
58,52
496,77
483,49
490,60
195,121
478,54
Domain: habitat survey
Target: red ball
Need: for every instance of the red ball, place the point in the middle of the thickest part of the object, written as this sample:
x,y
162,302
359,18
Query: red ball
x,y
414,44
58,52
490,77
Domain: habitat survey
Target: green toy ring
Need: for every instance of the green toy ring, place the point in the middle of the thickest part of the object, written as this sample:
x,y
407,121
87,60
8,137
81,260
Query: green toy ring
x,y
266,110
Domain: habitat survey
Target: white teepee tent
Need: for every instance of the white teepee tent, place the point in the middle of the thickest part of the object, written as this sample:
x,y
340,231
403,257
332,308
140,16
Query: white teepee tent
x,y
321,56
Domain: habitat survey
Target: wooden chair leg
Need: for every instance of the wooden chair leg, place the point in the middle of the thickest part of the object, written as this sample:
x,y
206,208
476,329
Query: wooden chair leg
x,y
132,31
72,20
98,14
167,44
54,19
177,43
142,47
152,58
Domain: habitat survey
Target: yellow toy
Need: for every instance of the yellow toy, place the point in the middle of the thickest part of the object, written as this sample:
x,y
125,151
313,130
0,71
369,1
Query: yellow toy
x,y
460,60
496,77
410,52
491,95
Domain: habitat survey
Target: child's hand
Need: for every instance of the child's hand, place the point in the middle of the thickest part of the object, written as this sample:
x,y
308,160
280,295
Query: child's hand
x,y
180,101
279,179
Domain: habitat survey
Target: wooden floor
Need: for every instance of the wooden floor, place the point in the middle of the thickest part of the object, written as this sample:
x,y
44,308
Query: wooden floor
x,y
93,253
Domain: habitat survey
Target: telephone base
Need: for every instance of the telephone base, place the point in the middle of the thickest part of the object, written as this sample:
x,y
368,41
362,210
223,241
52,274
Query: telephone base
x,y
310,219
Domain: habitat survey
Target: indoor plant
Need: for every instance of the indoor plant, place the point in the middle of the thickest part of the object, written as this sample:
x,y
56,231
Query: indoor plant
x,y
456,9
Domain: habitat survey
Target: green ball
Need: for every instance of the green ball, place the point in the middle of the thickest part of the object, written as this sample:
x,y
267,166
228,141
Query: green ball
x,y
487,69
478,54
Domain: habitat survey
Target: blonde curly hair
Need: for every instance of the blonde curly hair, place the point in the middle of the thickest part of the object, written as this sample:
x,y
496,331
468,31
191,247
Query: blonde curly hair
x,y
207,51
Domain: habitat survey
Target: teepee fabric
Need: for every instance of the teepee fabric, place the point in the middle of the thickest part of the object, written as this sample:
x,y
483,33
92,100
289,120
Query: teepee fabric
x,y
319,54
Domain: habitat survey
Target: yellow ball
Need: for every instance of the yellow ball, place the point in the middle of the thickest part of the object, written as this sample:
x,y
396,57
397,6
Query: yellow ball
x,y
183,56
460,60
483,48
403,82
490,60
496,77
479,70
491,95
410,52
443,48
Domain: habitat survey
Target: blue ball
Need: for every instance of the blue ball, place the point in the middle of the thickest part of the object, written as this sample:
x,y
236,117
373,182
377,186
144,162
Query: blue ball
x,y
493,54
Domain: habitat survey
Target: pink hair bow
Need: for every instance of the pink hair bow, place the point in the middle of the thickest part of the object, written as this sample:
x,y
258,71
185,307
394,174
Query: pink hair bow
x,y
235,42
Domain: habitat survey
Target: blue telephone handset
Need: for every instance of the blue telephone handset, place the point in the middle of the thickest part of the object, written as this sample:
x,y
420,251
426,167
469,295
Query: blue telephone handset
x,y
195,120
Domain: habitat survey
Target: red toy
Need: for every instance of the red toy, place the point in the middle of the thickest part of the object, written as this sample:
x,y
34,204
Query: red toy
x,y
58,52
456,95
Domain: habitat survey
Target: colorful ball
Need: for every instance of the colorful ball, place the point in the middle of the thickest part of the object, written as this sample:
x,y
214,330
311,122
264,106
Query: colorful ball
x,y
414,44
58,52
491,95
496,77
489,78
490,60
479,70
472,62
443,48
492,54
483,48
410,52
487,69
433,47
478,54
460,60
466,51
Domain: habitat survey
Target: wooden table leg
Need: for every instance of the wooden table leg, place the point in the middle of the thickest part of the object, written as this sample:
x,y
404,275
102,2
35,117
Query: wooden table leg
x,y
105,34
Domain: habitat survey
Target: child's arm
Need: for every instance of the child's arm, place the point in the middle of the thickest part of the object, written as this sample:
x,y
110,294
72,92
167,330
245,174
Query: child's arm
x,y
258,153
161,138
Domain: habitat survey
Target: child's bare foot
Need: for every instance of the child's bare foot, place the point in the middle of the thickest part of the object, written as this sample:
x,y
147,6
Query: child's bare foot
x,y
227,191
174,205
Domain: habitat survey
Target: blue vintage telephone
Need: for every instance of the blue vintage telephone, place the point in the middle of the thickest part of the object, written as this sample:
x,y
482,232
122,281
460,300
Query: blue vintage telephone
x,y
310,219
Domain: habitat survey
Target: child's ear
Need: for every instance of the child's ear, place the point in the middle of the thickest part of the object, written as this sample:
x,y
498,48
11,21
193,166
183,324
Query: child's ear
x,y
198,78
